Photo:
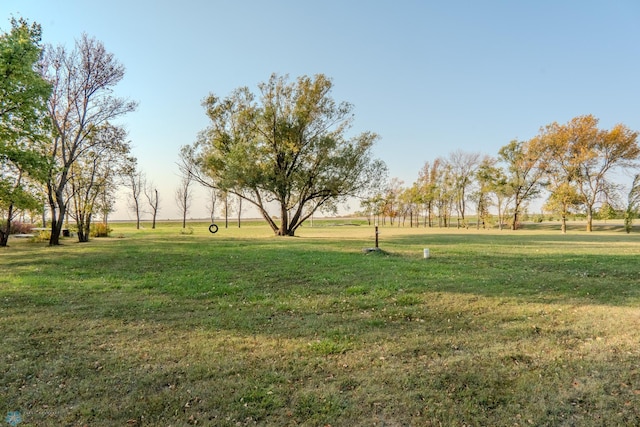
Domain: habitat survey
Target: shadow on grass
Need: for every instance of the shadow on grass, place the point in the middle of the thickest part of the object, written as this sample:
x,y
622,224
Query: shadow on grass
x,y
542,267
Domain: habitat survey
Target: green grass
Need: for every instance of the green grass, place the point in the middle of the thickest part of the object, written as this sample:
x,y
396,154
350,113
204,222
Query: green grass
x,y
158,327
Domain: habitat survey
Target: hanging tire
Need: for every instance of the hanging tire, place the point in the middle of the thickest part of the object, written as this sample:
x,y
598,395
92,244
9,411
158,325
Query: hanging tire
x,y
213,228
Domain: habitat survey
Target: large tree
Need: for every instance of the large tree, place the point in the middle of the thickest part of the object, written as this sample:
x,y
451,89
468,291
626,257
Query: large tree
x,y
82,100
560,173
23,96
286,146
586,155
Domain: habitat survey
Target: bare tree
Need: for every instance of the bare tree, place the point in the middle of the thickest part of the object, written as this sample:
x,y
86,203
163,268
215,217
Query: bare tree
x,y
151,194
136,182
82,100
211,204
184,195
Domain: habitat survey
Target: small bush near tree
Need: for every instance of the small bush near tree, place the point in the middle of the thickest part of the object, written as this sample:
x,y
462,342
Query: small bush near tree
x,y
100,230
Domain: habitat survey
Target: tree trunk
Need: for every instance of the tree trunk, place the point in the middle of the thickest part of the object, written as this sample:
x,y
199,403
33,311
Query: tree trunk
x,y
87,229
58,211
155,211
56,230
284,222
589,219
516,217
84,228
226,210
4,234
81,236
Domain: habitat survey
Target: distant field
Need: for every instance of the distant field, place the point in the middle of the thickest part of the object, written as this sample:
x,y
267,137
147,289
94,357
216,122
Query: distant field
x,y
172,327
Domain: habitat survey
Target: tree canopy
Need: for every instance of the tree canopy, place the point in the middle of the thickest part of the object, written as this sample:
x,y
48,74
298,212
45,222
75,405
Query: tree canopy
x,y
23,96
285,147
581,157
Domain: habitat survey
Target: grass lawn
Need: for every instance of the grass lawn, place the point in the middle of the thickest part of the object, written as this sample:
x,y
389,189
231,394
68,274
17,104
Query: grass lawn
x,y
161,328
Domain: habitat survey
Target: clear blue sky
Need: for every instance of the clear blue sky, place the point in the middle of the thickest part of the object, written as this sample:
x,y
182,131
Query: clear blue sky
x,y
430,77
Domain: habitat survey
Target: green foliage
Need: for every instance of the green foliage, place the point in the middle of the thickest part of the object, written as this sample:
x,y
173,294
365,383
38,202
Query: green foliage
x,y
606,212
41,236
633,203
629,216
23,96
329,346
23,91
288,144
523,176
538,218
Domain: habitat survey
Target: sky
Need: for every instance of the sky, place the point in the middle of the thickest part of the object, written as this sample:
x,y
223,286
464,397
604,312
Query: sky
x,y
429,77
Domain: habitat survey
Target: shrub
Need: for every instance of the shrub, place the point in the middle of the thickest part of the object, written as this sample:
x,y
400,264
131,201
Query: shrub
x,y
41,236
100,230
538,218
17,227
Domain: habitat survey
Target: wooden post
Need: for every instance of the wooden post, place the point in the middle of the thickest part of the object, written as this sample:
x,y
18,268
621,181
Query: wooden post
x,y
376,237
